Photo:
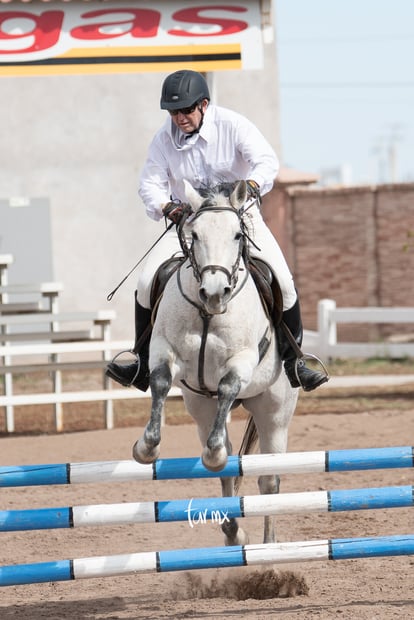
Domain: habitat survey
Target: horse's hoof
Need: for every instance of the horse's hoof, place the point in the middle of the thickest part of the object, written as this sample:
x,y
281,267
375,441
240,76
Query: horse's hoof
x,y
143,454
240,539
233,534
214,460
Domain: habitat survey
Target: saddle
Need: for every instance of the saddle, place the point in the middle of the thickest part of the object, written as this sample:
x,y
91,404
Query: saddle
x,y
266,283
268,288
163,274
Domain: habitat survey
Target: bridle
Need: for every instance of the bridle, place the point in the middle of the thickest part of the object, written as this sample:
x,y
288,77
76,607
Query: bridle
x,y
231,274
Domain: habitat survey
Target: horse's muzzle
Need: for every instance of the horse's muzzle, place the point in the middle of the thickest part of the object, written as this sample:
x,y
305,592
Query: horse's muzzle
x,y
217,303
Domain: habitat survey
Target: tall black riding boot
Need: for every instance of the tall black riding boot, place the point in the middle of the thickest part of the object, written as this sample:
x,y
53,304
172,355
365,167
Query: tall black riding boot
x,y
297,372
137,373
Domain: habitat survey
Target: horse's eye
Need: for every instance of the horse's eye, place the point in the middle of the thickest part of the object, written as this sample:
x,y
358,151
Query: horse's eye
x,y
238,236
194,236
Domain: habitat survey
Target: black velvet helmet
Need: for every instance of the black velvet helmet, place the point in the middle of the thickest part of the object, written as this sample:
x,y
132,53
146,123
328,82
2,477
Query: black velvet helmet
x,y
182,89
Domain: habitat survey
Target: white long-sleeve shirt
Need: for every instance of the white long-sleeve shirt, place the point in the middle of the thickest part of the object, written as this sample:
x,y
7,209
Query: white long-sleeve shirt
x,y
227,148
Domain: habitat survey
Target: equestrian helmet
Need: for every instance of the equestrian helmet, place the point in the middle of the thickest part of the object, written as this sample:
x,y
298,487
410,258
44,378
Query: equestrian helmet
x,y
183,89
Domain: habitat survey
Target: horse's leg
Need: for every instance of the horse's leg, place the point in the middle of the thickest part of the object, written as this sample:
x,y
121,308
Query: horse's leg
x,y
272,416
215,453
203,411
270,485
234,534
147,449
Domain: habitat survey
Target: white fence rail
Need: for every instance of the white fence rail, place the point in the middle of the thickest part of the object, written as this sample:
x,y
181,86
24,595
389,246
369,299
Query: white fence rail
x,y
74,349
325,343
34,338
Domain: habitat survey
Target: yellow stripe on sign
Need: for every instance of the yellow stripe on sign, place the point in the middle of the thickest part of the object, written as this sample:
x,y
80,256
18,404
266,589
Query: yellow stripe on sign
x,y
130,60
161,51
95,69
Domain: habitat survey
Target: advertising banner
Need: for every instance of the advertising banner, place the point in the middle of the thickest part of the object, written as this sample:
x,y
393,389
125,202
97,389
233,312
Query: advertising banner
x,y
56,38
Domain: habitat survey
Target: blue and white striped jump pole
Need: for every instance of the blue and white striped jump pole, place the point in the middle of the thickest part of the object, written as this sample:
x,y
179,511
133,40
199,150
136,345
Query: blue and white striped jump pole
x,y
187,468
212,557
202,510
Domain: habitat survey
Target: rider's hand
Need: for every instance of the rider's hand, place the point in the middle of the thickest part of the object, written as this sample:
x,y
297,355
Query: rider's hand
x,y
253,189
174,211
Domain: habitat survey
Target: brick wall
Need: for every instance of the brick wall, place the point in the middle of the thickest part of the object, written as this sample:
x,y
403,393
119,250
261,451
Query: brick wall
x,y
395,221
352,245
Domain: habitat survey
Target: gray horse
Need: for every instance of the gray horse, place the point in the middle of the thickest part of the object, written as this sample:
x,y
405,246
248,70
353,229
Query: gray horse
x,y
213,338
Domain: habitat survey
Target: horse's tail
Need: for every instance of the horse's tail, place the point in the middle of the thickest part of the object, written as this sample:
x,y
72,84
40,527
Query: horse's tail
x,y
247,446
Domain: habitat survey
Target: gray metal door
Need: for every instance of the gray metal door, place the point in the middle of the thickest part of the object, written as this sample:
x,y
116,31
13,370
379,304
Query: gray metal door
x,y
25,232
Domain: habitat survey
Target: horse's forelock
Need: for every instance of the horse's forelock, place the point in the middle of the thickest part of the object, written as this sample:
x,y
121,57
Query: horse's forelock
x,y
216,196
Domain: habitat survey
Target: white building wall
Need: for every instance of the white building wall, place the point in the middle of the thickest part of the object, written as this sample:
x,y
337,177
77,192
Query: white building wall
x,y
81,141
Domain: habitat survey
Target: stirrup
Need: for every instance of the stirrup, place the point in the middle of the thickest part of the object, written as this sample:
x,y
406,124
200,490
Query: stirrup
x,y
137,360
304,357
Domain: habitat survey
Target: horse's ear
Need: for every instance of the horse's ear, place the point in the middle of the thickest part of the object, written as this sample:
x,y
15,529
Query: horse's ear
x,y
239,195
192,195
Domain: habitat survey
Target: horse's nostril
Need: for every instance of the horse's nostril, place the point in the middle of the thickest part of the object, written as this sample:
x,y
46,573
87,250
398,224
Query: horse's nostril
x,y
202,294
227,291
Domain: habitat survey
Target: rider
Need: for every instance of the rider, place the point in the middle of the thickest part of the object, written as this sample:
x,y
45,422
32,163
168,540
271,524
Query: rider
x,y
208,145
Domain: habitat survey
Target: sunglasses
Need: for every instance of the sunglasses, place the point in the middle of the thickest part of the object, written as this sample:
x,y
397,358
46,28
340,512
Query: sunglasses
x,y
188,110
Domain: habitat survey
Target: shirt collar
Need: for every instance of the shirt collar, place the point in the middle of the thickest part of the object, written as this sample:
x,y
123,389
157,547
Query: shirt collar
x,y
206,127
178,137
